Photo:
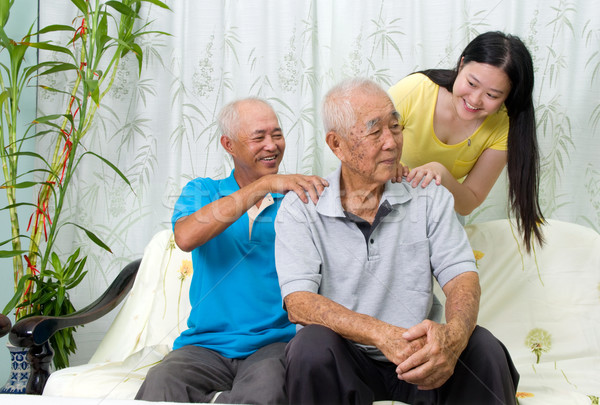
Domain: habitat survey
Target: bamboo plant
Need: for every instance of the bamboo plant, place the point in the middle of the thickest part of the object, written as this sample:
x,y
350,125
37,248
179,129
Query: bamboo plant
x,y
102,35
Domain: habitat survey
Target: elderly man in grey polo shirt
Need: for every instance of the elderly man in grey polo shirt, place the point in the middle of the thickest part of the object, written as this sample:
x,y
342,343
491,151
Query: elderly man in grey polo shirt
x,y
356,271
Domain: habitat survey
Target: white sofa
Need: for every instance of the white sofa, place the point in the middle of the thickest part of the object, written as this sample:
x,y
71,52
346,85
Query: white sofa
x,y
545,307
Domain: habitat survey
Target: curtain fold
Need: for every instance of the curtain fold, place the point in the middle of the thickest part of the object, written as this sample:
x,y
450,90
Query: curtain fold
x,y
159,128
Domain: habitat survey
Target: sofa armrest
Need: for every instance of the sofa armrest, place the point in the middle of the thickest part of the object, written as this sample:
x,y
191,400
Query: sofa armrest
x,y
33,332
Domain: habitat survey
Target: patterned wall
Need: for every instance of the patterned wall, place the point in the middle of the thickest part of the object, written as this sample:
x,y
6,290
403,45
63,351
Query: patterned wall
x,y
160,129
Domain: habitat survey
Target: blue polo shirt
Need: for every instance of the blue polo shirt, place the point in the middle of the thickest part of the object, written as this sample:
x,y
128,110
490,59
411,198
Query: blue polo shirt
x,y
235,295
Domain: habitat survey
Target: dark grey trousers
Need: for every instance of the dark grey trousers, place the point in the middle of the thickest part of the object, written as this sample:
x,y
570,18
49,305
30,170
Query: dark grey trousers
x,y
324,368
196,374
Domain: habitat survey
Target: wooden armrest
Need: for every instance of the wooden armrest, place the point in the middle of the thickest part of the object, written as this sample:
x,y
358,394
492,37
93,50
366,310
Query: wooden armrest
x,y
36,330
33,332
5,325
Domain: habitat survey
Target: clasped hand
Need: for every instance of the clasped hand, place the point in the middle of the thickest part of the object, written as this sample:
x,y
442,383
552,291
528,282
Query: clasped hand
x,y
428,355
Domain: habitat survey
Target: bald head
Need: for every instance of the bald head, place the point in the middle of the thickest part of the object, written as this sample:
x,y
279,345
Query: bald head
x,y
229,117
338,110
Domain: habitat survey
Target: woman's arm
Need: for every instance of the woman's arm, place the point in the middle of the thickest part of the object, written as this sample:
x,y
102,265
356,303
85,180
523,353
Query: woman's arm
x,y
469,194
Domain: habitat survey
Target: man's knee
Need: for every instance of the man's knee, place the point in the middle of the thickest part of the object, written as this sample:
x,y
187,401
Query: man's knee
x,y
486,357
156,384
313,345
485,347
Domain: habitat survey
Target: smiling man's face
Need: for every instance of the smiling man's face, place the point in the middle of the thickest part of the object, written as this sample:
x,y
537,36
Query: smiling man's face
x,y
258,148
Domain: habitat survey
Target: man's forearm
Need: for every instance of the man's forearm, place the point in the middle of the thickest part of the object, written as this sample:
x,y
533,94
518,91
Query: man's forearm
x,y
462,306
212,219
307,308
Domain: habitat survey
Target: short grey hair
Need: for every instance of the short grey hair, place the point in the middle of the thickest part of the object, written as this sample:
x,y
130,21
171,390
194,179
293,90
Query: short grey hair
x,y
337,111
229,117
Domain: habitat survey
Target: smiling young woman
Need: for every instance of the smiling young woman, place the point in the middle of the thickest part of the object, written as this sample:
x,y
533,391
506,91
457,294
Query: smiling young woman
x,y
463,126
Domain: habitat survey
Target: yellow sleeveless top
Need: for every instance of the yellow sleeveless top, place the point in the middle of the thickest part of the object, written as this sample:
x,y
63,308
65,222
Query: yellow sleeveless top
x,y
415,98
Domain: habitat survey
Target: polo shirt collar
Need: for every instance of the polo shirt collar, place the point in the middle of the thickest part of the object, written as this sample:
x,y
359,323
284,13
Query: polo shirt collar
x,y
330,203
228,185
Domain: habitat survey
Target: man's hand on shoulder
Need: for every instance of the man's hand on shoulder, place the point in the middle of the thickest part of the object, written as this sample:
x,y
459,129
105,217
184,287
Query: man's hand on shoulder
x,y
298,183
432,365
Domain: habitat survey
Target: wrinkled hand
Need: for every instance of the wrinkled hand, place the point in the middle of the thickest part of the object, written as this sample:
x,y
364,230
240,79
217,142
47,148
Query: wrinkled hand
x,y
432,365
298,183
397,348
427,172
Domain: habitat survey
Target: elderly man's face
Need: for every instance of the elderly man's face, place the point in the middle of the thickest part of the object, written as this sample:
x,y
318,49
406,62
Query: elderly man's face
x,y
372,148
259,146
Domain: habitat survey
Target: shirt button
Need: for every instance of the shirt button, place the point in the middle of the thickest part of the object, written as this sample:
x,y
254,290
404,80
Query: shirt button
x,y
372,241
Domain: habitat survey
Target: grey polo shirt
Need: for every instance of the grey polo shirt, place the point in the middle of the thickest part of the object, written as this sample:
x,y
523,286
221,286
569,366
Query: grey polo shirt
x,y
320,250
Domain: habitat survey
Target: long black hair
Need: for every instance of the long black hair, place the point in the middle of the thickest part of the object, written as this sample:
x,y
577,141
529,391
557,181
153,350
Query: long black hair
x,y
510,54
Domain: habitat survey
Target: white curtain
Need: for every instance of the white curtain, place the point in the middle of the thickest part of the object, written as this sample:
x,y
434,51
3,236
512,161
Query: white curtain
x,y
159,129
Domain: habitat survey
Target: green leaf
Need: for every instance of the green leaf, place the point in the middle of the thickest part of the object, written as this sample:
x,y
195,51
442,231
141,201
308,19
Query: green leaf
x,y
4,11
25,184
18,292
92,236
54,28
32,69
3,96
60,296
92,89
111,165
56,263
5,254
52,89
22,204
158,3
59,68
81,5
102,35
76,272
139,54
32,154
50,47
122,8
46,118
77,280
17,53
5,41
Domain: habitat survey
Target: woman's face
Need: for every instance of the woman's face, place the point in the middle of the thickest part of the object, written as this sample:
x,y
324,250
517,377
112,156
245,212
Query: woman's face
x,y
479,90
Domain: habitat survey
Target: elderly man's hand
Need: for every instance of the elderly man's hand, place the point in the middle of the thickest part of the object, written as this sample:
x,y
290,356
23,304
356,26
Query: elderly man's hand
x,y
298,183
432,365
395,347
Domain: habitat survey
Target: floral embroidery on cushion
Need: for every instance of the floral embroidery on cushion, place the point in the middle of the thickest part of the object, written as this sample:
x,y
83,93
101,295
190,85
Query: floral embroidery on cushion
x,y
185,271
169,248
539,341
478,256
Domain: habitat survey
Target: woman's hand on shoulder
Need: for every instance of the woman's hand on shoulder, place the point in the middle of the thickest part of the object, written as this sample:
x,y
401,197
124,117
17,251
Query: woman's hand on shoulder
x,y
401,171
426,173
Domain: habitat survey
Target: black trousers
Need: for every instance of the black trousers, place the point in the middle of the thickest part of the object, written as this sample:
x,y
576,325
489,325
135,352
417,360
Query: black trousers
x,y
324,368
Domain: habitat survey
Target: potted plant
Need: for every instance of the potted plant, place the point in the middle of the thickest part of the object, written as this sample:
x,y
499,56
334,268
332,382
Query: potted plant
x,y
99,38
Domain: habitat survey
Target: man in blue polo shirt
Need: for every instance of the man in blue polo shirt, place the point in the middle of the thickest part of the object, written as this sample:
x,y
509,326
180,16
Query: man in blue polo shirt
x,y
237,330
